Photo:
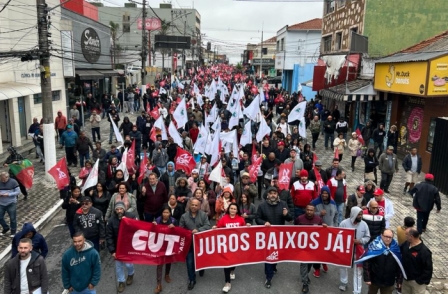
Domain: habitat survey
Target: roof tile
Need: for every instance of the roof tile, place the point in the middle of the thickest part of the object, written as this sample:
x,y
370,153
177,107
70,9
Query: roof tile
x,y
312,24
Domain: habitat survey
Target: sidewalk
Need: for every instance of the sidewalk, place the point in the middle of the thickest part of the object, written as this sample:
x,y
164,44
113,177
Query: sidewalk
x,y
44,196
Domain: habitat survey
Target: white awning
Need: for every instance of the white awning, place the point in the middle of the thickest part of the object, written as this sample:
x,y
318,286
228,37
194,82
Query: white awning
x,y
13,89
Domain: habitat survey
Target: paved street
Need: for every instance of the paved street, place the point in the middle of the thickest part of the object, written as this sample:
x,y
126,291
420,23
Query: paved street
x,y
43,196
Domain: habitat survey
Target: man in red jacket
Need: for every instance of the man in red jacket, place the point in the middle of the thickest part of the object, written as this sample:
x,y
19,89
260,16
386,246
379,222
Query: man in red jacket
x,y
194,132
302,192
154,193
338,192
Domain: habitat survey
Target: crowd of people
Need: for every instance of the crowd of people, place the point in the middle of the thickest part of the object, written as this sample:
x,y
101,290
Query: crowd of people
x,y
175,197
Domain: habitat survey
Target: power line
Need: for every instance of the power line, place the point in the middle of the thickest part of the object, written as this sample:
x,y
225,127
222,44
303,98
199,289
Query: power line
x,y
5,6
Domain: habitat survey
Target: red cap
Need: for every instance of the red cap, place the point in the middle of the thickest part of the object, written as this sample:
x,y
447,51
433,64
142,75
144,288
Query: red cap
x,y
281,143
429,177
361,189
378,192
303,173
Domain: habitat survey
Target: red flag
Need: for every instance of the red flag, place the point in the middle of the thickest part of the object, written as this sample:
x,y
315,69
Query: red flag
x,y
254,153
315,158
360,138
253,169
319,183
142,170
336,152
284,175
172,108
60,174
184,160
130,162
152,134
155,112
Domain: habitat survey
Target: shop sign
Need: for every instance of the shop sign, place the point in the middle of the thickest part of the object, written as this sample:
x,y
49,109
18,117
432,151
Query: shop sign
x,y
264,61
90,45
438,77
407,78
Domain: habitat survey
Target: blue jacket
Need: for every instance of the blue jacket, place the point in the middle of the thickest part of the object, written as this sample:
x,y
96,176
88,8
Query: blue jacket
x,y
141,123
39,243
68,139
81,268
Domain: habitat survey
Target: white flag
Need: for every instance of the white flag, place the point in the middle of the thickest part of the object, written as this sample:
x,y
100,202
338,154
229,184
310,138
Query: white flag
x,y
122,165
234,108
116,131
199,100
212,115
253,109
92,179
175,135
179,84
302,128
217,125
180,114
214,150
263,130
196,89
227,136
201,141
161,125
246,137
162,91
216,174
297,112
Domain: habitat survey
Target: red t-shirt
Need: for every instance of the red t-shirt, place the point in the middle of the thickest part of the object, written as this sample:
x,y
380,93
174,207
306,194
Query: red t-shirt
x,y
227,222
382,206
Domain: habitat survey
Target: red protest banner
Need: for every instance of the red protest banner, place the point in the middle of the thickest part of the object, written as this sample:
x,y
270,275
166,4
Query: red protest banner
x,y
360,138
60,174
145,243
258,244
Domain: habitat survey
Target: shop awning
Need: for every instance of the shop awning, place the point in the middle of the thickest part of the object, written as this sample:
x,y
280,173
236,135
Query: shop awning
x,y
108,72
357,90
410,57
89,74
13,89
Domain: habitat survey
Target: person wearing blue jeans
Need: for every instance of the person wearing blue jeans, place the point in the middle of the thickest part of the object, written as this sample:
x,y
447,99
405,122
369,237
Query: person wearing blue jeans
x,y
9,190
83,157
338,192
194,220
340,207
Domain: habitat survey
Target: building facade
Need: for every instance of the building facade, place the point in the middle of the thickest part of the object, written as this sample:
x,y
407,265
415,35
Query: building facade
x,y
297,49
262,62
20,90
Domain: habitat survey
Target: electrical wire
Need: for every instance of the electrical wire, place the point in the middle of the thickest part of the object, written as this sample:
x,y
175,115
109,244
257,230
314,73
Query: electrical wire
x,y
4,6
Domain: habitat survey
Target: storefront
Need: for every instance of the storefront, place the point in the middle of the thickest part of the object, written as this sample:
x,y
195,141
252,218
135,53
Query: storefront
x,y
416,83
88,63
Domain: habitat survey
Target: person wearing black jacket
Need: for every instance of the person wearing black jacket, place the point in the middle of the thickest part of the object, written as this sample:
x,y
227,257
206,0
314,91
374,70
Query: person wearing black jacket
x,y
270,162
374,219
89,221
426,195
417,263
71,204
378,139
412,165
281,153
82,147
383,271
126,126
370,164
307,157
115,118
273,211
112,230
146,141
392,138
329,128
137,136
323,173
366,133
284,195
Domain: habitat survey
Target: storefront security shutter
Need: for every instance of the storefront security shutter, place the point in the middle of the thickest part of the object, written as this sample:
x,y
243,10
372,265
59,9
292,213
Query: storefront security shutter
x,y
439,157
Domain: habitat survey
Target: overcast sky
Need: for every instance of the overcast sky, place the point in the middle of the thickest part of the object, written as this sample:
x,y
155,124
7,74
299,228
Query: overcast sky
x,y
232,24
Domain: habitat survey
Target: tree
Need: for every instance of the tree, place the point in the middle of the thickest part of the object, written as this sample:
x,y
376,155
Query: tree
x,y
114,27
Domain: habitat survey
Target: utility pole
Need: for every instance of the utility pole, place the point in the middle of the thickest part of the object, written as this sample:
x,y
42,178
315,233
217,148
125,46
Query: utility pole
x,y
144,43
261,55
183,50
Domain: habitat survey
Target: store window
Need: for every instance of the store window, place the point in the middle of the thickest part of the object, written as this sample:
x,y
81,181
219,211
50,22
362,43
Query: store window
x,y
338,41
55,96
432,129
329,6
327,43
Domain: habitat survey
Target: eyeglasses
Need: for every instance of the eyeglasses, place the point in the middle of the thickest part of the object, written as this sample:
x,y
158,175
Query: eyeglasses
x,y
388,237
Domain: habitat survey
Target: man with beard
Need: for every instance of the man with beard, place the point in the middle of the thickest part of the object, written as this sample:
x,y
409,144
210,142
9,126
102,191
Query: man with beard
x,y
246,187
302,192
284,195
112,229
308,219
89,221
362,237
273,211
26,272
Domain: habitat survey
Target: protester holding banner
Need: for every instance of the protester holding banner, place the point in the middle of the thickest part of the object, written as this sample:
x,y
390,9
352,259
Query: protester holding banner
x,y
309,219
231,219
124,196
112,235
284,194
362,237
155,196
194,220
176,208
273,211
165,219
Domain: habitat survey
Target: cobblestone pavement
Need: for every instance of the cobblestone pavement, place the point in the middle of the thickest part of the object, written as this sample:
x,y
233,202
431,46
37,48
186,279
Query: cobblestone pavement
x,y
44,195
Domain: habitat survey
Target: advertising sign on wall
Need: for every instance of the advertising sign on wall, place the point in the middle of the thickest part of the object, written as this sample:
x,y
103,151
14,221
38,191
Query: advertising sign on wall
x,y
407,78
438,77
90,45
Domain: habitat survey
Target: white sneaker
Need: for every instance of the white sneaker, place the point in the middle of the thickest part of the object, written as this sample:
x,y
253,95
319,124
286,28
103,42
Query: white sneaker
x,y
232,276
226,288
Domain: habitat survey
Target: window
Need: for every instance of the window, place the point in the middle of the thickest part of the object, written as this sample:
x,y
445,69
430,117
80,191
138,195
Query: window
x,y
55,96
341,3
282,44
126,23
278,46
329,6
326,43
338,42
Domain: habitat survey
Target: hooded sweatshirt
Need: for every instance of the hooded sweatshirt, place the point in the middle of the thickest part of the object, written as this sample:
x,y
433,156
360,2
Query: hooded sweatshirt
x,y
81,268
39,243
361,228
331,216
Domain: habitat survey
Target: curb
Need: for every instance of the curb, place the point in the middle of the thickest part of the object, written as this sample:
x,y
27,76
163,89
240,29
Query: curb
x,y
47,217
